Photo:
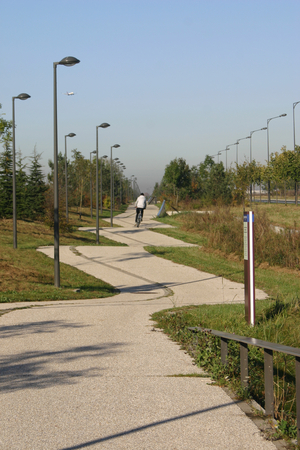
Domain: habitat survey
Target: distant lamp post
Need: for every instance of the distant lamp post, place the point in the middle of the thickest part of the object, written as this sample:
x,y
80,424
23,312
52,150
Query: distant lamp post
x,y
68,61
237,148
251,132
66,173
91,183
268,151
227,148
111,183
22,96
101,195
103,125
250,155
294,129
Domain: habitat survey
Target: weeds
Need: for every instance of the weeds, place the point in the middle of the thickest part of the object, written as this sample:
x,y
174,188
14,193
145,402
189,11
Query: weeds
x,y
274,320
224,232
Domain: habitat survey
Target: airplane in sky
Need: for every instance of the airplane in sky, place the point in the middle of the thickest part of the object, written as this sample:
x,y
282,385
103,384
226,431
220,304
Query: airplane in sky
x,y
69,93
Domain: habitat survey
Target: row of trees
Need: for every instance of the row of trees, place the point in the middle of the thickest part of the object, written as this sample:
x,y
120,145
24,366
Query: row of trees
x,y
34,191
209,182
82,172
30,181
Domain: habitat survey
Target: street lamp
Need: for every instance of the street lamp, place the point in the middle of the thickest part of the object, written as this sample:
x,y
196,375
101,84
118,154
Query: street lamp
x,y
68,61
66,173
91,183
294,132
227,148
268,150
103,125
111,183
102,157
237,148
117,162
251,132
22,96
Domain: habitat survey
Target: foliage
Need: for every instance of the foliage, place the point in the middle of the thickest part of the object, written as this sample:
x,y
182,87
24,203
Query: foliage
x,y
274,320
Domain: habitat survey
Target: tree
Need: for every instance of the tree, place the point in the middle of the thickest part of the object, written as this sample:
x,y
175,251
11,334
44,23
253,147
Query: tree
x,y
36,188
21,188
6,182
79,176
178,176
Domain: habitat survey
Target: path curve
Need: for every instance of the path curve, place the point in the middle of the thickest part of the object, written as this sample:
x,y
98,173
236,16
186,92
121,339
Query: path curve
x,y
95,374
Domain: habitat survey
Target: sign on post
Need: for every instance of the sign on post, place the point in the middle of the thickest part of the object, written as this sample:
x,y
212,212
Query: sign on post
x,y
249,272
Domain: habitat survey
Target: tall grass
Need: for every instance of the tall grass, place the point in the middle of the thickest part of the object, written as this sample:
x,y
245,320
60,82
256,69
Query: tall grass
x,y
224,231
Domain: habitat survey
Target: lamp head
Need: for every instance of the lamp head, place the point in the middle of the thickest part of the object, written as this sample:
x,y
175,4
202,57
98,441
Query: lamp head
x,y
283,115
116,146
105,156
71,134
104,125
23,96
94,151
69,61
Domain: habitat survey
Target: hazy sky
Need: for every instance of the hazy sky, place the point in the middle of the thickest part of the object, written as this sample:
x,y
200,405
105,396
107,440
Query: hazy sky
x,y
173,78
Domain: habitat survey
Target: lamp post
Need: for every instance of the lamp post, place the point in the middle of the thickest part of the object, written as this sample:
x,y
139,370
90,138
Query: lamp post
x,y
68,61
251,132
132,176
237,148
250,155
219,153
22,96
294,132
117,160
111,183
91,183
103,125
102,157
227,148
66,173
268,150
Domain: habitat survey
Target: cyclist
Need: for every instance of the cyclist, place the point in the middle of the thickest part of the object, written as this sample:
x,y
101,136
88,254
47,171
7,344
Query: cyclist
x,y
140,205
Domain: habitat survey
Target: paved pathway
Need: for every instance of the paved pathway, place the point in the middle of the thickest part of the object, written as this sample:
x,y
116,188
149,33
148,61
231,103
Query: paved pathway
x,y
95,374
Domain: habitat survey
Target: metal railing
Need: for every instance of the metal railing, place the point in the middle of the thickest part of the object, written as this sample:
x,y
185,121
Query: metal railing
x,y
269,348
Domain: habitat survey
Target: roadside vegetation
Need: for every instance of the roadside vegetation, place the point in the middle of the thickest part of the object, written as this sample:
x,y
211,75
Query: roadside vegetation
x,y
219,235
28,275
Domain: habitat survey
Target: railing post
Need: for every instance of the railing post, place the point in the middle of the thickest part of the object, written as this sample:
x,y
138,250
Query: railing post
x,y
298,396
224,350
244,364
269,388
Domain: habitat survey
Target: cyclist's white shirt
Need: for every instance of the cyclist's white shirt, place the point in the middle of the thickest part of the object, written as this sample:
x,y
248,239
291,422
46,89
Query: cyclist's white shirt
x,y
141,202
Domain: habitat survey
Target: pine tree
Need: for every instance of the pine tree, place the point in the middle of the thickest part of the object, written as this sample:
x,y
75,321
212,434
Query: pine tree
x,y
6,182
6,164
36,188
21,188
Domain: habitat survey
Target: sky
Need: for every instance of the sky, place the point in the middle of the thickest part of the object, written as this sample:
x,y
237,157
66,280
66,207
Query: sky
x,y
173,78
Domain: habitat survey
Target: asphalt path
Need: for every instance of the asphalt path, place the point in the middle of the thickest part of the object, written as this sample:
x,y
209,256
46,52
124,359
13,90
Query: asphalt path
x,y
97,374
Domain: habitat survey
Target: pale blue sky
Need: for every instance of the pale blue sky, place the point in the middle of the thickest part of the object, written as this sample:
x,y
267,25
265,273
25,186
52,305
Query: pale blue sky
x,y
173,78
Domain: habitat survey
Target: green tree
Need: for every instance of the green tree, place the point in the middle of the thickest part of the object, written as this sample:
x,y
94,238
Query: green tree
x,y
6,182
79,177
178,176
21,187
36,188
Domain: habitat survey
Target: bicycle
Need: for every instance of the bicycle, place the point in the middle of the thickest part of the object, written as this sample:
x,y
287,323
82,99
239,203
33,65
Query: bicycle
x,y
139,219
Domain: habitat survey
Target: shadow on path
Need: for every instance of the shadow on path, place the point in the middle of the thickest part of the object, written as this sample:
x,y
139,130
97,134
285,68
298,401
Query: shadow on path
x,y
44,369
145,427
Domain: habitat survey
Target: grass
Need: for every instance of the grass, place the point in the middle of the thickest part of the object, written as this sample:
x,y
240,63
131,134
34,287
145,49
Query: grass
x,y
28,275
277,319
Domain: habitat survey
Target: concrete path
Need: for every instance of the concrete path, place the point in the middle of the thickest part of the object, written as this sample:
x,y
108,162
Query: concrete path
x,y
95,374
